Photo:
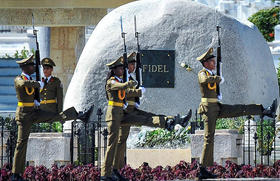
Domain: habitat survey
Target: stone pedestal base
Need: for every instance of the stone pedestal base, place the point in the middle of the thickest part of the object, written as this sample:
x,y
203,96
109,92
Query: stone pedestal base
x,y
156,157
227,146
48,148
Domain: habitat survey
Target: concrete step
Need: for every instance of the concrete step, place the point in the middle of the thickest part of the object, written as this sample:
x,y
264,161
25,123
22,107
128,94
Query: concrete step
x,y
8,63
7,90
4,71
7,80
8,99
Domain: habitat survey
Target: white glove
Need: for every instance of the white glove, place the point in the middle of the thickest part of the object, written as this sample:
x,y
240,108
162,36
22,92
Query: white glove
x,y
137,105
37,104
222,81
220,97
143,90
41,84
125,105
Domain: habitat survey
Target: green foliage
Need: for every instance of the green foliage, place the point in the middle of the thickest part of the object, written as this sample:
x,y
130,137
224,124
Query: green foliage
x,y
268,130
161,137
47,127
278,74
232,123
19,54
266,20
9,124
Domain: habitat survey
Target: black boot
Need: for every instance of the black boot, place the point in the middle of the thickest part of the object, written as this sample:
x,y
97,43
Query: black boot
x,y
84,116
204,174
270,111
69,114
16,177
183,121
118,175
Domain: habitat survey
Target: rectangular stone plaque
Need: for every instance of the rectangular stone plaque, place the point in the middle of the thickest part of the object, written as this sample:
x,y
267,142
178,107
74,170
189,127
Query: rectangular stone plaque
x,y
158,68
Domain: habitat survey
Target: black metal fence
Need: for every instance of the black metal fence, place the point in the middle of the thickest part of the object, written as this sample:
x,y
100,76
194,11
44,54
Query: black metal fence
x,y
87,142
259,141
8,139
8,131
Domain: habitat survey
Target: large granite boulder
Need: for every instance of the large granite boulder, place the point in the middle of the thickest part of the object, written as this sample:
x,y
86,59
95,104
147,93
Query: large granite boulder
x,y
189,28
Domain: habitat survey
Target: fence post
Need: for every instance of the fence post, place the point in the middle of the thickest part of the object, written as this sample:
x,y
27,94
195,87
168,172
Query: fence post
x,y
79,146
105,134
268,147
274,138
72,142
244,144
93,144
249,129
201,123
193,127
255,138
2,140
261,140
86,141
99,114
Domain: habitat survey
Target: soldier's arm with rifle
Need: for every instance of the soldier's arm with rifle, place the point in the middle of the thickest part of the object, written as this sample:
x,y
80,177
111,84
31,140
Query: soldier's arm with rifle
x,y
219,64
138,64
125,75
37,65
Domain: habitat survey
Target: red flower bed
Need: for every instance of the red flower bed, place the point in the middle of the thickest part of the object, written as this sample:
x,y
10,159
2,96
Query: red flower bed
x,y
182,170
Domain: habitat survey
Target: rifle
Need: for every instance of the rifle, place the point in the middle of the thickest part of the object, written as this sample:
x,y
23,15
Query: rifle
x,y
37,62
138,62
125,75
219,59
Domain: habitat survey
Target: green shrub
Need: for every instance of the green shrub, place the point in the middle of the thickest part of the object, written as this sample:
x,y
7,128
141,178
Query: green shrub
x,y
164,138
231,123
266,20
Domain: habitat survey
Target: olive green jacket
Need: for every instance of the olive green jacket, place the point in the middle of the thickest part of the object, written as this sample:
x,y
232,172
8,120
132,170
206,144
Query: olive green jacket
x,y
206,81
24,88
53,90
112,88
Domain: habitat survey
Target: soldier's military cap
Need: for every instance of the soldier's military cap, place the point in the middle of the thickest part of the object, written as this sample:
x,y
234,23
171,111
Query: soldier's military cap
x,y
116,63
206,56
48,62
131,57
26,61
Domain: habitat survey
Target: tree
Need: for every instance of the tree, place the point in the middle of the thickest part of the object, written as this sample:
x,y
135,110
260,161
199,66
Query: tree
x,y
266,20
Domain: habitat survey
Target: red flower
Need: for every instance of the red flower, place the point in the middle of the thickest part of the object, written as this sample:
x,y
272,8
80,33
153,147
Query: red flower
x,y
271,34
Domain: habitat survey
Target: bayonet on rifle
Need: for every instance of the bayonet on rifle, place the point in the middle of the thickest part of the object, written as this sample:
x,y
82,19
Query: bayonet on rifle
x,y
219,58
125,76
138,61
37,61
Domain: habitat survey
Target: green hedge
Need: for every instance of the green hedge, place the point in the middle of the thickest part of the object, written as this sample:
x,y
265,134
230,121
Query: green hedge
x,y
266,20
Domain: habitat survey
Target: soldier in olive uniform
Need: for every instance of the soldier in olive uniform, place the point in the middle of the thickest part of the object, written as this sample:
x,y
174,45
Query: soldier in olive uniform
x,y
52,92
133,109
119,161
27,114
210,108
117,117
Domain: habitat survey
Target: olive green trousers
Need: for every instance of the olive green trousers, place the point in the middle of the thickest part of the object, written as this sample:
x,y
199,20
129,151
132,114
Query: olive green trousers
x,y
210,113
25,117
118,131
